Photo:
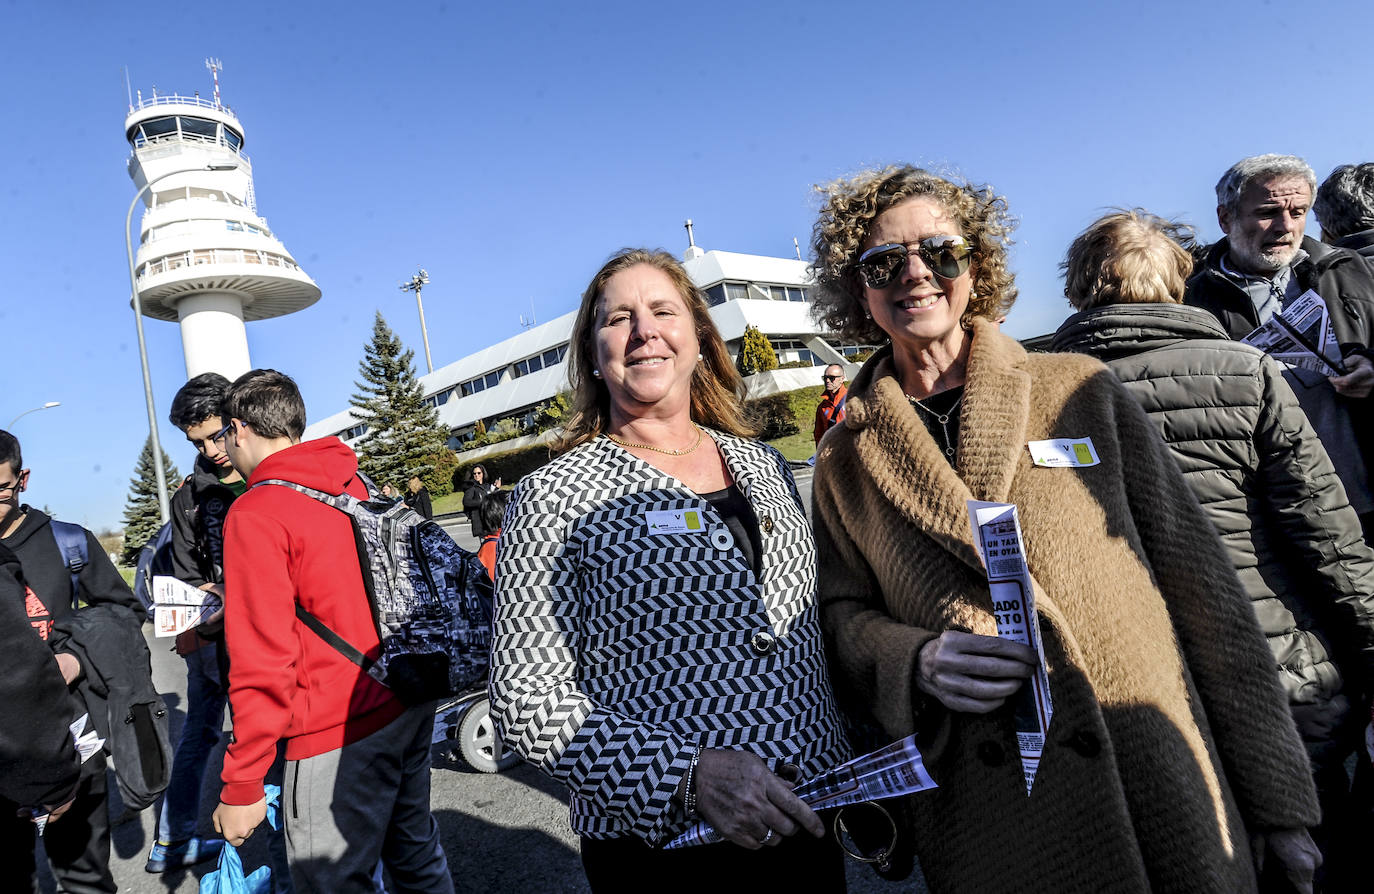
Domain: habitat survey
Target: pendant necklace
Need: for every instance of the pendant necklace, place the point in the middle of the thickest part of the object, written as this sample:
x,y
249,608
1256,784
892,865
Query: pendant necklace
x,y
942,418
683,452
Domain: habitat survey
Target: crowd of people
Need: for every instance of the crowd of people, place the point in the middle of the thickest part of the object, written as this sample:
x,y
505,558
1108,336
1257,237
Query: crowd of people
x,y
679,641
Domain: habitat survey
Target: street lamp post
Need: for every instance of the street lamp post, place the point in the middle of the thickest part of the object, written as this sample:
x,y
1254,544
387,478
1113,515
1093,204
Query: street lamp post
x,y
162,503
47,406
416,283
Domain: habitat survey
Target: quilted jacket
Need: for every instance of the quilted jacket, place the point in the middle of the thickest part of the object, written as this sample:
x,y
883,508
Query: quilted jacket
x,y
1264,479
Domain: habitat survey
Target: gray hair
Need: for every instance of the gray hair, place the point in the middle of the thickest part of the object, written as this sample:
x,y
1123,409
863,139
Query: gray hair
x,y
1345,202
1260,167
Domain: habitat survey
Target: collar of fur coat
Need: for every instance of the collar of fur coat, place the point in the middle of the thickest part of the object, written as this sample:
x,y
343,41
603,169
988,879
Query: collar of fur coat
x,y
895,449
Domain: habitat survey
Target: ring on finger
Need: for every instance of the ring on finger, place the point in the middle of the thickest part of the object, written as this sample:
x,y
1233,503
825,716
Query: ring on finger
x,y
768,836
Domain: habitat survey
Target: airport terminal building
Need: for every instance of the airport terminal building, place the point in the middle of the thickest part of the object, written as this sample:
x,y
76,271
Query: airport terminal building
x,y
510,379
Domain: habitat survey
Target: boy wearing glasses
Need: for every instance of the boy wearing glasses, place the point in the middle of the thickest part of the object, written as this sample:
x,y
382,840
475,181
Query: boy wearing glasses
x,y
198,509
357,760
78,847
831,408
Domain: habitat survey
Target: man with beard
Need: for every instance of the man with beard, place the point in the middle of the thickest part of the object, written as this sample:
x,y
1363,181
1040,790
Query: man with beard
x,y
1262,265
1266,262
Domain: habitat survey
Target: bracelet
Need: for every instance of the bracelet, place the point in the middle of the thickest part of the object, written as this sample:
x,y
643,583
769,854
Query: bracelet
x,y
689,788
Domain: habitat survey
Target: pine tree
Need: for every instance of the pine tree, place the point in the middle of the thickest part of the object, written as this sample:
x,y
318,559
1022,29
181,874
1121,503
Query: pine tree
x,y
755,353
142,517
404,436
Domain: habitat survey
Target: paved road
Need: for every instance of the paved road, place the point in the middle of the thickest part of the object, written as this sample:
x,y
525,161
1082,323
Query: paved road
x,y
502,832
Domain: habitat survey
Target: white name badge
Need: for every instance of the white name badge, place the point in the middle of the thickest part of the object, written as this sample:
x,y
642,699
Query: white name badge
x,y
1064,453
675,521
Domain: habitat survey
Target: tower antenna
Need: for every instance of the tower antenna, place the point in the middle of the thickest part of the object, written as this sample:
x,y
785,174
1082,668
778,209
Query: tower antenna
x,y
128,88
215,67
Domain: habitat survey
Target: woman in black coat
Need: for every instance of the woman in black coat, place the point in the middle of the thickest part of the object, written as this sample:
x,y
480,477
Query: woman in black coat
x,y
1261,474
473,496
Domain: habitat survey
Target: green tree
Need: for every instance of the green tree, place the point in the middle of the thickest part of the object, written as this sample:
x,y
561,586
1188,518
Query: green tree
x,y
553,412
404,434
142,517
755,353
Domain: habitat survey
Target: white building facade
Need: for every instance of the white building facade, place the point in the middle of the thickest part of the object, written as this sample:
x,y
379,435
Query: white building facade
x,y
510,379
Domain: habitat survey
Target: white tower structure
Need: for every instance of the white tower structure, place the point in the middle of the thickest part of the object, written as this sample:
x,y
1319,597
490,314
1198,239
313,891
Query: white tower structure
x,y
205,258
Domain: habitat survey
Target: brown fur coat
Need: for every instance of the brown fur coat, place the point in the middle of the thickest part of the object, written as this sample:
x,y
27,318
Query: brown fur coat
x,y
1171,739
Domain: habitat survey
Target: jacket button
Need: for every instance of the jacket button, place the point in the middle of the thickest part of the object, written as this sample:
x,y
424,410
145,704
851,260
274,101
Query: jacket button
x,y
721,539
1085,743
767,524
763,642
991,753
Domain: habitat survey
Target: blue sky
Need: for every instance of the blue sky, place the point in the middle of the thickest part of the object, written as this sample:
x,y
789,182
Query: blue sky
x,y
510,147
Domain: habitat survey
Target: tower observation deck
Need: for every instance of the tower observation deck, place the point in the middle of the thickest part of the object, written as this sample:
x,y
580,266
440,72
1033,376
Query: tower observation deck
x,y
205,257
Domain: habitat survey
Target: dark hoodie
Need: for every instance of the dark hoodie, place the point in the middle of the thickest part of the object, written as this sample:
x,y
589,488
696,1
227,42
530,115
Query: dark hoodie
x,y
282,548
33,542
199,508
38,763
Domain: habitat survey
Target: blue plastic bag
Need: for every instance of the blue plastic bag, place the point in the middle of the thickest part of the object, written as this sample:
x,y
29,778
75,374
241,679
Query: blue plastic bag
x,y
228,877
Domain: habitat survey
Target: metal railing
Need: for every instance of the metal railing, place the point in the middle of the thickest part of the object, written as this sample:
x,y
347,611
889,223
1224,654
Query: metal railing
x,y
176,99
199,257
185,137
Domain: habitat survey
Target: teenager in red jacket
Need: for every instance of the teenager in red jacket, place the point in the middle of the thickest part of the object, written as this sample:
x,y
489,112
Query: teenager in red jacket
x,y
357,775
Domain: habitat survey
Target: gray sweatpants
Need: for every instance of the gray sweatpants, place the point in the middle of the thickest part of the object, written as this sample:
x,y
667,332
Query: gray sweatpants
x,y
365,802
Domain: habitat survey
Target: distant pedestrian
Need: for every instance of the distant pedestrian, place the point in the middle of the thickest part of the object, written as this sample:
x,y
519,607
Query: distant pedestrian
x,y
357,778
473,496
830,411
419,497
389,493
493,512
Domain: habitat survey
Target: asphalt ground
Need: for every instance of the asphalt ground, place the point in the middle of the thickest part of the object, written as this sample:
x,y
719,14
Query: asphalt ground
x,y
501,832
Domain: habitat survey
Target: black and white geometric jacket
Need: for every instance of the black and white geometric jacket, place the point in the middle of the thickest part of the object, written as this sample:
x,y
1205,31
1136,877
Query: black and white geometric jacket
x,y
619,650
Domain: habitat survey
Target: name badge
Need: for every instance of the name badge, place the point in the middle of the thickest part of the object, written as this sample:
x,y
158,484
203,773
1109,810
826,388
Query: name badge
x,y
1064,453
674,521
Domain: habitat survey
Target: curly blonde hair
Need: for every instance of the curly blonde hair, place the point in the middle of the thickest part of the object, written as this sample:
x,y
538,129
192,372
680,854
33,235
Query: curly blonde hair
x,y
1128,257
717,389
852,204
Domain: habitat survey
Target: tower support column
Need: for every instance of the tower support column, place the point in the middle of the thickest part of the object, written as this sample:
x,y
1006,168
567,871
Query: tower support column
x,y
213,338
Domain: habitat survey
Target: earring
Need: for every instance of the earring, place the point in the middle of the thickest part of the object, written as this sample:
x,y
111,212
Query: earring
x,y
973,294
699,357
596,373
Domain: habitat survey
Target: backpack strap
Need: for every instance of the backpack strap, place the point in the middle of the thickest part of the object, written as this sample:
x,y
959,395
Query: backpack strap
x,y
336,642
344,502
71,544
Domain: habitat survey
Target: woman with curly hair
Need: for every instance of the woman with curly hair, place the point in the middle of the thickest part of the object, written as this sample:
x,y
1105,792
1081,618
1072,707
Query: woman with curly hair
x,y
1171,754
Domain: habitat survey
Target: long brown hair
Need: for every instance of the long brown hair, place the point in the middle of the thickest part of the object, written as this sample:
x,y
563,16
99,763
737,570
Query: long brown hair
x,y
717,391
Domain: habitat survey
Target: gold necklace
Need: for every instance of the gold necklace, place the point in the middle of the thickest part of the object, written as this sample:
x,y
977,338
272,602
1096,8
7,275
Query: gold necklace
x,y
683,452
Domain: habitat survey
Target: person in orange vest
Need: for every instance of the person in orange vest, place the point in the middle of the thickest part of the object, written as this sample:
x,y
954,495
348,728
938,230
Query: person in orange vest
x,y
831,408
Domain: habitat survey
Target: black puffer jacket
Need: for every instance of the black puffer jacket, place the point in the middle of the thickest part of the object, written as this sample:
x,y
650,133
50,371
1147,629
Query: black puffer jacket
x,y
1260,472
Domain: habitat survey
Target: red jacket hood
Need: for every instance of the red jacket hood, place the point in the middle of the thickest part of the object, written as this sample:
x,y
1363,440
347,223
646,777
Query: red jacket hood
x,y
325,464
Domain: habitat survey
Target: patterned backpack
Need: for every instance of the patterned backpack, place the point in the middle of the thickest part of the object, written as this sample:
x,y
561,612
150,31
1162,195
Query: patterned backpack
x,y
431,599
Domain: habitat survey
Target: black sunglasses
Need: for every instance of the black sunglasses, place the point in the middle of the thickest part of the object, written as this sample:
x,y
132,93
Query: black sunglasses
x,y
948,257
832,378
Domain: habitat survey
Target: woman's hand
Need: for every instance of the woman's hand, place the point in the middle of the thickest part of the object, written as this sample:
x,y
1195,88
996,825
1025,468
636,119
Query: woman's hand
x,y
971,672
748,804
1295,852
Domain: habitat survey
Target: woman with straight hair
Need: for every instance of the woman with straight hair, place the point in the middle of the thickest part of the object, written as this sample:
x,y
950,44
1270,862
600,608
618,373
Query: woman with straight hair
x,y
657,647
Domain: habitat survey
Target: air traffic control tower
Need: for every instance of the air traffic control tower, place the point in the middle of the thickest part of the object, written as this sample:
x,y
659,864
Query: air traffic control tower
x,y
205,258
